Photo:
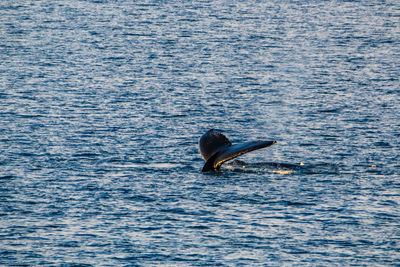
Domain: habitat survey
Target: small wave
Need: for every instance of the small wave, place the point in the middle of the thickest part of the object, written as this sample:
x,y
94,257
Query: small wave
x,y
154,166
283,168
6,177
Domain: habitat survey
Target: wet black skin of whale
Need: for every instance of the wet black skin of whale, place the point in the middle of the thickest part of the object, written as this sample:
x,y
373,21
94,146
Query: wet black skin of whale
x,y
216,149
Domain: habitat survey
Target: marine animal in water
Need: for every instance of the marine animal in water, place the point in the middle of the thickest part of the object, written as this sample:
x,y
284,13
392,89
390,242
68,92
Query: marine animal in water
x,y
216,149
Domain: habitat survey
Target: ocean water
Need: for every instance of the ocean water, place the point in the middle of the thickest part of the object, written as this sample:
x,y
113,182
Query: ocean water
x,y
102,104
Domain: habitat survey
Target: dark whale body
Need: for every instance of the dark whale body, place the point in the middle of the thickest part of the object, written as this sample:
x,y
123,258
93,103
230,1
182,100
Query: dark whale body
x,y
216,149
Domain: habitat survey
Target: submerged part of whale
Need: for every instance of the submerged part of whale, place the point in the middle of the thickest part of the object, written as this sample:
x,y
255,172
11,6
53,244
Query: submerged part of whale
x,y
216,149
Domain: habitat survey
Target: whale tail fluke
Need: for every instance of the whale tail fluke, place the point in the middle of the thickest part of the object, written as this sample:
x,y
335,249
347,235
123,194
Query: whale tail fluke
x,y
217,149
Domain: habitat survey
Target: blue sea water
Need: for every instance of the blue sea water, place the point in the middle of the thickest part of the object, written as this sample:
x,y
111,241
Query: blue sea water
x,y
102,104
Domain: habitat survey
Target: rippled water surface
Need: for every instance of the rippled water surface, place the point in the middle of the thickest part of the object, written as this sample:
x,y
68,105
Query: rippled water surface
x,y
102,104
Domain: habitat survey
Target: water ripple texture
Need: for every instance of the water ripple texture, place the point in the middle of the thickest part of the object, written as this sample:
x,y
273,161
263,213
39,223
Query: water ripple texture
x,y
102,104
